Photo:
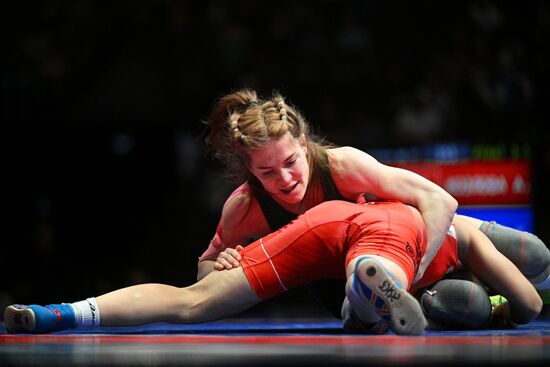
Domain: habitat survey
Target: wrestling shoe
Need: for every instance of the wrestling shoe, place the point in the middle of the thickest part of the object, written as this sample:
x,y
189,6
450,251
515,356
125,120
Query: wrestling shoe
x,y
39,319
397,306
353,324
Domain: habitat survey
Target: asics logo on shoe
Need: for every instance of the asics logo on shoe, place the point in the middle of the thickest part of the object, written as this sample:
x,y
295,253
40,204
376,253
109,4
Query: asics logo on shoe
x,y
58,314
389,291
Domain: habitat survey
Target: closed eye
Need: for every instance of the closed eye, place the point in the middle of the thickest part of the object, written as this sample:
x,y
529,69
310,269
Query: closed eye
x,y
291,163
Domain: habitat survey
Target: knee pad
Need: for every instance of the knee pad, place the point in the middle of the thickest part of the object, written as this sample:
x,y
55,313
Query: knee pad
x,y
457,304
524,249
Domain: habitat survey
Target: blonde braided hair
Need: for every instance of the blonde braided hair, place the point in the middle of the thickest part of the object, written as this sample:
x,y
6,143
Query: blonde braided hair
x,y
241,121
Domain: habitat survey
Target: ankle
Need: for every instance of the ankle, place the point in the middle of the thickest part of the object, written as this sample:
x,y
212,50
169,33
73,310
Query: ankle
x,y
87,313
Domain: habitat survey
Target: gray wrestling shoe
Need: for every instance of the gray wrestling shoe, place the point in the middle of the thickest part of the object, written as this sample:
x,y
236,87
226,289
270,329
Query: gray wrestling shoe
x,y
376,287
353,324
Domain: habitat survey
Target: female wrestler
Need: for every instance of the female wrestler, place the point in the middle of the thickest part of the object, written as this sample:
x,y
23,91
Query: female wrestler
x,y
266,144
376,246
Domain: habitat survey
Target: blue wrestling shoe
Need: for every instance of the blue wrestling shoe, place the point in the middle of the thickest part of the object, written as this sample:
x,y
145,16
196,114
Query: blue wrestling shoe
x,y
39,319
373,286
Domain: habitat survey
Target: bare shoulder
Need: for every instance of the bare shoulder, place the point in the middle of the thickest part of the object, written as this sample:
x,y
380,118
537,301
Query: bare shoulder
x,y
236,208
349,154
350,169
242,218
346,161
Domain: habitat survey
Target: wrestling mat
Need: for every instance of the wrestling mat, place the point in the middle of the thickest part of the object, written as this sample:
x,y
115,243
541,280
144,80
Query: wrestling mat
x,y
289,341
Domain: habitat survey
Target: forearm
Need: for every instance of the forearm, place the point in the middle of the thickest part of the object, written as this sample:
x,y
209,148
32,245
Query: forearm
x,y
438,216
498,273
507,316
205,267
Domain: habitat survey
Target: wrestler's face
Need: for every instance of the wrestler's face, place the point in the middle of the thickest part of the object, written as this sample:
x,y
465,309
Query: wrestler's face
x,y
282,168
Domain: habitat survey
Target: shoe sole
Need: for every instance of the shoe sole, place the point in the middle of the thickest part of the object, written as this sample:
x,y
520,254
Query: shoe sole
x,y
19,320
352,323
405,313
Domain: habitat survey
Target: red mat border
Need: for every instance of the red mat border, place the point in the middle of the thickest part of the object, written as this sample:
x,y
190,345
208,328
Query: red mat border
x,y
277,339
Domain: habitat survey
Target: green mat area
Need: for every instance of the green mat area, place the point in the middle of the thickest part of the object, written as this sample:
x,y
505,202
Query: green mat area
x,y
545,295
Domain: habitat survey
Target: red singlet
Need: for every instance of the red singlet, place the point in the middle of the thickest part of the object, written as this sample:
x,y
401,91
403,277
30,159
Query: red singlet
x,y
320,243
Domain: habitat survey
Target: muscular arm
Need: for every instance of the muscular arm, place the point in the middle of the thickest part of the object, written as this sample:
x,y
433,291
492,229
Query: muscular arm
x,y
241,220
233,214
497,272
357,172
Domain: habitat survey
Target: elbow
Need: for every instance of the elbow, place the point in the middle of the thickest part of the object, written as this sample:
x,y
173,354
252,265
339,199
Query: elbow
x,y
528,312
535,308
448,204
451,203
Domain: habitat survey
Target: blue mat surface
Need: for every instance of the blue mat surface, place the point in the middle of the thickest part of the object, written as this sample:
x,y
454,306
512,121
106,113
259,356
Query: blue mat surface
x,y
287,326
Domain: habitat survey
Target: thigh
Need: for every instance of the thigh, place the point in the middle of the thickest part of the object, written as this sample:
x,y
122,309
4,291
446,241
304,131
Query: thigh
x,y
310,248
294,257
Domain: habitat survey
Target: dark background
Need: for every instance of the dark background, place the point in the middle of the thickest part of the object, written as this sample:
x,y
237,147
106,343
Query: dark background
x,y
107,181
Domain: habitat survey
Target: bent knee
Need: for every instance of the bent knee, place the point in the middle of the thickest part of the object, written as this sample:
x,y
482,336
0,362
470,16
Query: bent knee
x,y
528,252
536,256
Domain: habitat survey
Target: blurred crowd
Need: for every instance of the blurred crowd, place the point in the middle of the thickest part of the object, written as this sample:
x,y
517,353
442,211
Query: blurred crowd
x,y
103,100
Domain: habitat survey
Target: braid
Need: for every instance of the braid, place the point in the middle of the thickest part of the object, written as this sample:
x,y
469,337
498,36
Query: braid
x,y
234,126
286,123
241,121
281,107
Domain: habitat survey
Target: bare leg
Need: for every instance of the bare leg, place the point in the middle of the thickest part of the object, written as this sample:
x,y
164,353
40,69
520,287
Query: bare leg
x,y
524,249
218,295
442,301
497,272
474,221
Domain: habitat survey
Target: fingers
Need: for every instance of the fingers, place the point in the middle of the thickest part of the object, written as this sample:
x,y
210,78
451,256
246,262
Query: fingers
x,y
228,259
232,255
218,266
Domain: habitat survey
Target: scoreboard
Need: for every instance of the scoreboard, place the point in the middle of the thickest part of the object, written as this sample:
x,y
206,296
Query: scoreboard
x,y
489,183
